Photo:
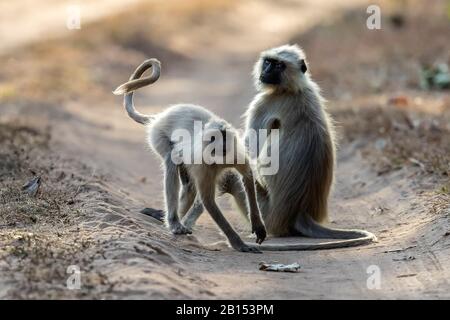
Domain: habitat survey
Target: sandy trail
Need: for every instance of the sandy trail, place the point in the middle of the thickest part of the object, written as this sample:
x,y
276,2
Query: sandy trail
x,y
112,145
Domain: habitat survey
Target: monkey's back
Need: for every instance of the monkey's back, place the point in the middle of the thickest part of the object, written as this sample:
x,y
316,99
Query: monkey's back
x,y
176,117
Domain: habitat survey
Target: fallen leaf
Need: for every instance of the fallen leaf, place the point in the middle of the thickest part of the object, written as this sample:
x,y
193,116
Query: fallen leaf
x,y
279,267
32,186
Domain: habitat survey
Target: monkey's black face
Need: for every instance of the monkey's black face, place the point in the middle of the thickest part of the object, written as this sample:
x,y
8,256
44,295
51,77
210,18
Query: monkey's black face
x,y
271,71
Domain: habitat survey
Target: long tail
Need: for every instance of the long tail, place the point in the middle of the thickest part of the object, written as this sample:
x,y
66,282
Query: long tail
x,y
309,228
135,83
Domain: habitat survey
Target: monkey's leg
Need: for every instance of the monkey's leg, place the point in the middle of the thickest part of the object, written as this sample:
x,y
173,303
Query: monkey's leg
x,y
188,191
191,207
188,212
187,197
207,196
193,214
255,217
171,189
263,199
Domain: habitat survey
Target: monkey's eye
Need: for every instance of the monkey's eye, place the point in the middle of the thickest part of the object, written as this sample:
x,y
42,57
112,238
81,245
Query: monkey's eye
x,y
279,65
266,63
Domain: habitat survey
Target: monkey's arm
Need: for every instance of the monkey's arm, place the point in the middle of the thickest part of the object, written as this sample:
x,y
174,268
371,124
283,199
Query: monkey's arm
x,y
255,216
207,195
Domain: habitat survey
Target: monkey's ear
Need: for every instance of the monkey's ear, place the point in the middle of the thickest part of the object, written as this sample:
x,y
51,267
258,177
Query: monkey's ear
x,y
303,67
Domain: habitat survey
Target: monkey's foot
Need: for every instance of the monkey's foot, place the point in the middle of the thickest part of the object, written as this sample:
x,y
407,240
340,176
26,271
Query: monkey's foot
x,y
178,228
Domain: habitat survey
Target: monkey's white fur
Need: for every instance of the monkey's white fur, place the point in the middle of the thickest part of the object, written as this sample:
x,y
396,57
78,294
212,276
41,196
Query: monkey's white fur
x,y
197,179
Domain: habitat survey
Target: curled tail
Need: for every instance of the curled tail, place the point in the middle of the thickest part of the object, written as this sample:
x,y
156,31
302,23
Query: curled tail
x,y
135,83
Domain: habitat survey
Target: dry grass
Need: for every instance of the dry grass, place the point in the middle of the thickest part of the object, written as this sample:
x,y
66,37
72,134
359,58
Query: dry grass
x,y
16,142
39,236
400,137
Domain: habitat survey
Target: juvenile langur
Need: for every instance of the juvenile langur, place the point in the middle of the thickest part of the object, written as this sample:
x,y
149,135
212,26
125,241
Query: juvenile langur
x,y
294,201
198,178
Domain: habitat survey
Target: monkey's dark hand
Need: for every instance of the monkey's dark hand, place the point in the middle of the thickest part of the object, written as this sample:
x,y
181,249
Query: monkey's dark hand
x,y
260,232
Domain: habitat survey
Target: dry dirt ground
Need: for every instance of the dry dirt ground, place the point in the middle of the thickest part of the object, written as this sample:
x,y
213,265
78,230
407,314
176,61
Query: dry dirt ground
x,y
59,121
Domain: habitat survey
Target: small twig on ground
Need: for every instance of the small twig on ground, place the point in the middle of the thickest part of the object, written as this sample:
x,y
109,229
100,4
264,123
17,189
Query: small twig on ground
x,y
399,250
407,275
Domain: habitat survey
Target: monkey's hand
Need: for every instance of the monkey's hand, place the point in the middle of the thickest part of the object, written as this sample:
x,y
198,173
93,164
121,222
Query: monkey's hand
x,y
260,232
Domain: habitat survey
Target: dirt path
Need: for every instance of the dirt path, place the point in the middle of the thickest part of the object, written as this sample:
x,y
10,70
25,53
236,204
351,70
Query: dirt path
x,y
145,261
22,22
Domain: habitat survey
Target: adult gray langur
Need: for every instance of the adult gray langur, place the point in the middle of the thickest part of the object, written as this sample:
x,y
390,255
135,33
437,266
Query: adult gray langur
x,y
294,201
